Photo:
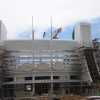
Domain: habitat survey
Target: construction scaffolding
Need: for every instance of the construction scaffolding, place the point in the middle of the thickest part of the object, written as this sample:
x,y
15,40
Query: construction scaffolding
x,y
4,54
24,81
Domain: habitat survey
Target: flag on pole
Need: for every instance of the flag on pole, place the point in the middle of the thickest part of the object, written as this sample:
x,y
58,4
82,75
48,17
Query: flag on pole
x,y
44,34
56,32
73,34
59,30
32,29
51,26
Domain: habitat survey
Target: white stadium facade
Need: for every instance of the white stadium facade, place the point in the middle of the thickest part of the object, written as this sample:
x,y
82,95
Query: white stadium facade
x,y
30,68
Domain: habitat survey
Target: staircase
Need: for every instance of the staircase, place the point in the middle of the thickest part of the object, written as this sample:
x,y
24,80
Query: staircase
x,y
92,66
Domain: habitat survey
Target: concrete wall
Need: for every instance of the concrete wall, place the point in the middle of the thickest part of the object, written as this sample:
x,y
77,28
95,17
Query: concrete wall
x,y
40,45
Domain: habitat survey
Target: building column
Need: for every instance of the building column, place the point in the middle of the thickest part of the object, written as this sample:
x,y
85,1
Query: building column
x,y
15,86
62,88
33,86
51,88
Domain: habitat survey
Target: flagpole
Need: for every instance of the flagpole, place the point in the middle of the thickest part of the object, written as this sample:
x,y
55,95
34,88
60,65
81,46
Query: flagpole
x,y
32,29
32,40
51,65
51,26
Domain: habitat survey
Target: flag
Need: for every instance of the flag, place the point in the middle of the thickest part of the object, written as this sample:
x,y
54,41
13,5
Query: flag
x,y
32,29
73,34
44,34
56,33
59,30
33,34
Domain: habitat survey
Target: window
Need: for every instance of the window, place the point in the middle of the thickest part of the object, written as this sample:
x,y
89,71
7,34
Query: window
x,y
75,77
28,78
42,77
55,77
10,79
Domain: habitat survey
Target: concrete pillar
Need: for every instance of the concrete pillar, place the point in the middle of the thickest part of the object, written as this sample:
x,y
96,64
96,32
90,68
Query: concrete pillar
x,y
33,90
15,87
51,88
33,86
62,88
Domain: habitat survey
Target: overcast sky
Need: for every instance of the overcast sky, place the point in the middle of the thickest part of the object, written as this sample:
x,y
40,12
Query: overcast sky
x,y
16,14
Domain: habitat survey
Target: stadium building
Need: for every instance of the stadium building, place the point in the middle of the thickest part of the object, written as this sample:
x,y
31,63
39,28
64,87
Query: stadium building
x,y
31,68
